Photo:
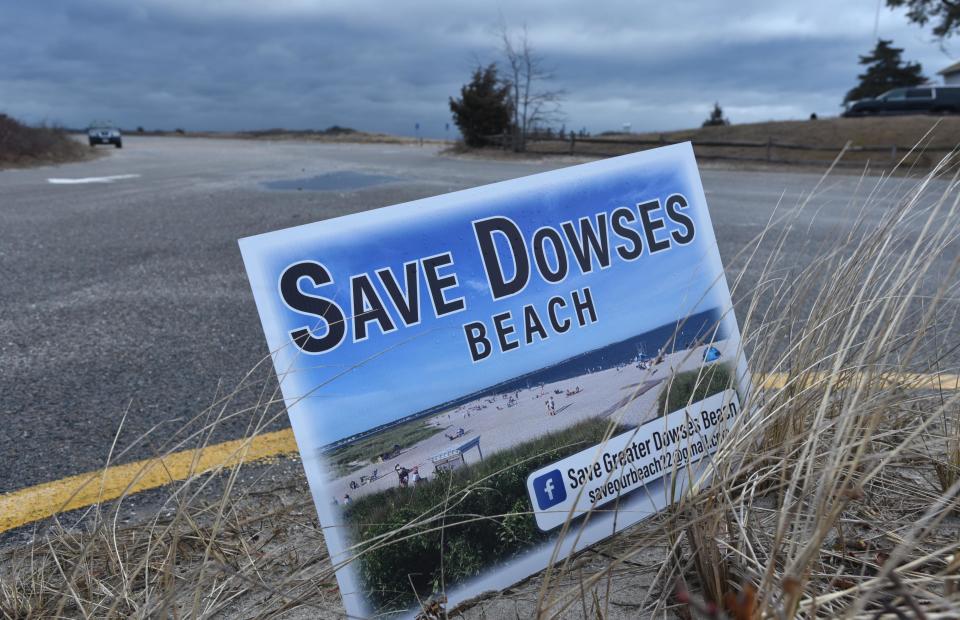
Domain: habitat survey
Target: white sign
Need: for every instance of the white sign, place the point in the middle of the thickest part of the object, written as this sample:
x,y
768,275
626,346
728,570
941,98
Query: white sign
x,y
626,463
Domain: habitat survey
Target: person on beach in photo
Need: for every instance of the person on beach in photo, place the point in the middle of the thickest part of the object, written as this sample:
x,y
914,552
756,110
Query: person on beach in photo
x,y
403,474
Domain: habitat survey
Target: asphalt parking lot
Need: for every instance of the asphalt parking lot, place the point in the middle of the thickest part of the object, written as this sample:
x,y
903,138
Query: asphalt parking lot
x,y
123,295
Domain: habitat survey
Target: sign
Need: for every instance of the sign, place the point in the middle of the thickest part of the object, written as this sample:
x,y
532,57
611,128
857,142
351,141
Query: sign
x,y
578,321
630,461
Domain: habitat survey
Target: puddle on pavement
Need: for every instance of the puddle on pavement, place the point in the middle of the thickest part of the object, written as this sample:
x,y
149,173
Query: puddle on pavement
x,y
331,181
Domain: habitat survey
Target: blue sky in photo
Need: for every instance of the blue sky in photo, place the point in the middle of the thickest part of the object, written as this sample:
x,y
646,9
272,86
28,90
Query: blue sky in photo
x,y
412,369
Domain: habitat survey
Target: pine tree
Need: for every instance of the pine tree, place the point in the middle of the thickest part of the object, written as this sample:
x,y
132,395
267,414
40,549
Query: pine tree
x,y
885,71
483,108
716,117
945,14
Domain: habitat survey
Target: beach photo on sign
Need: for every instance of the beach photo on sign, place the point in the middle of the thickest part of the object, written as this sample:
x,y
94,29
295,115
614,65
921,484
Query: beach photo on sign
x,y
435,355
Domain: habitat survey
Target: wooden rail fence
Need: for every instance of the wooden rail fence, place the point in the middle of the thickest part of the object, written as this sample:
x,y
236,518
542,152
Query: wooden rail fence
x,y
766,149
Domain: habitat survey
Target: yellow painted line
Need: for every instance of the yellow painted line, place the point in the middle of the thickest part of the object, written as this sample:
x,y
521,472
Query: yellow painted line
x,y
44,500
912,380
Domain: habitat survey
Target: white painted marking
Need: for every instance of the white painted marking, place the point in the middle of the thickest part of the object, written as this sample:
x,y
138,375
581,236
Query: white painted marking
x,y
83,180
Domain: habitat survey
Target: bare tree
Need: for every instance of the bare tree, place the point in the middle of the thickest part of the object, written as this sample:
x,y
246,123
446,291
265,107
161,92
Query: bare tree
x,y
532,105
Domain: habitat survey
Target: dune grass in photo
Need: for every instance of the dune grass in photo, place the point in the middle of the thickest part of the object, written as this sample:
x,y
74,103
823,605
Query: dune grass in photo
x,y
691,386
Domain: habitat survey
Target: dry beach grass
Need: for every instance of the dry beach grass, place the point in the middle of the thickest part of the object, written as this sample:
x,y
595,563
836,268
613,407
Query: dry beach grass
x,y
23,145
836,496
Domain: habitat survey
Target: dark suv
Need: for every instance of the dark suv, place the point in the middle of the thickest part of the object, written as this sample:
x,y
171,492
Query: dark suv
x,y
915,100
104,133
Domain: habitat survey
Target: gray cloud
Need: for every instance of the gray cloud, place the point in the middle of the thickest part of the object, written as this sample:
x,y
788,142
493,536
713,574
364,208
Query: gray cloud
x,y
385,66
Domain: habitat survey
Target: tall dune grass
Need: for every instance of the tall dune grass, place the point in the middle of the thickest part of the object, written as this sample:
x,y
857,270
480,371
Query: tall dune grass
x,y
22,144
836,496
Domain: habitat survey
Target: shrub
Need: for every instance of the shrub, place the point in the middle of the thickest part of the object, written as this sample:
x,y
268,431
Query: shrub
x,y
21,143
693,385
483,108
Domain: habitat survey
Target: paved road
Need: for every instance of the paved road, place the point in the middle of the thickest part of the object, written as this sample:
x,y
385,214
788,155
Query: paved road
x,y
130,296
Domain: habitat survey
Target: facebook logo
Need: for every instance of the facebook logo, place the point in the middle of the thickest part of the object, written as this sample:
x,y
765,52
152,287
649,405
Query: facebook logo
x,y
550,489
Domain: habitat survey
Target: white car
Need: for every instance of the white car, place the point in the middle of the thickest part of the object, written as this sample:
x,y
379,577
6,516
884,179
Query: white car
x,y
105,134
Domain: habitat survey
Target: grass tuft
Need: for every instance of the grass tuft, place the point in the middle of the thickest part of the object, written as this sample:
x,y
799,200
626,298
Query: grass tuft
x,y
24,145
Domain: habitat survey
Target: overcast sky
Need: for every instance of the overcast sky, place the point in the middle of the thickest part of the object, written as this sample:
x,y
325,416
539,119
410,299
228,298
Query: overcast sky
x,y
384,66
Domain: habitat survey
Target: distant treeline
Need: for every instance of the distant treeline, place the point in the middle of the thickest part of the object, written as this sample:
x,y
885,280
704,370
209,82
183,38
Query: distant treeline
x,y
332,130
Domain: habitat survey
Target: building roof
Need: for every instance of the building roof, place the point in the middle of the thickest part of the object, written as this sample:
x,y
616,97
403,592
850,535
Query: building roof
x,y
954,68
